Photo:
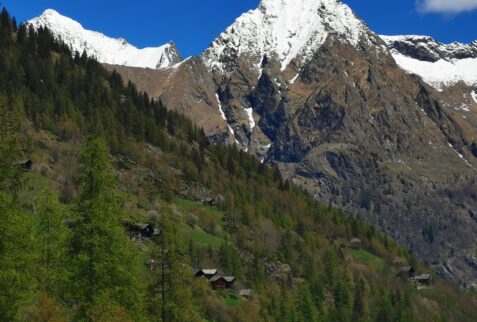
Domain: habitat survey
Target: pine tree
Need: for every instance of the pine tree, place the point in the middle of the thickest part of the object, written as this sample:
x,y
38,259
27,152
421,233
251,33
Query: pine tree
x,y
14,242
230,260
360,303
305,305
102,262
171,297
50,241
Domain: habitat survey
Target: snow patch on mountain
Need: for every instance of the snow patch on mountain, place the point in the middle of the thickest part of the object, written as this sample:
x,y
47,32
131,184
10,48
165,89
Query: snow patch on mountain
x,y
441,73
251,120
293,80
104,49
286,30
438,64
221,111
474,96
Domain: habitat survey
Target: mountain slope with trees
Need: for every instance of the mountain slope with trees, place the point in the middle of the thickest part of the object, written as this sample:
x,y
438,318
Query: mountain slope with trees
x,y
106,157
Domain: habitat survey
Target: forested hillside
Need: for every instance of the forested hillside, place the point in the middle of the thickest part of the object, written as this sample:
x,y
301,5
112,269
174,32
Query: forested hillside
x,y
105,158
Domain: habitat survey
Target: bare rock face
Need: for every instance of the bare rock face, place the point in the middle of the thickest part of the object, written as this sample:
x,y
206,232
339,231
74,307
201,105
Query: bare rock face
x,y
356,130
186,87
341,118
367,137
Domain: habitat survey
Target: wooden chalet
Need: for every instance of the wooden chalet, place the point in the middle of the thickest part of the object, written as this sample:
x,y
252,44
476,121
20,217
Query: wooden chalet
x,y
26,165
356,243
222,282
144,230
207,273
246,293
423,279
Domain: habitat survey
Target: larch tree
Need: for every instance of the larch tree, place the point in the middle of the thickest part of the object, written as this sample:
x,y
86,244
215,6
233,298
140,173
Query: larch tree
x,y
170,289
102,261
15,279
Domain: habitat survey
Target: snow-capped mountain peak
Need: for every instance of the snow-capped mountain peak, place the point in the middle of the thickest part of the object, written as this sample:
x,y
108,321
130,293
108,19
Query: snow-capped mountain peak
x,y
286,29
438,64
104,49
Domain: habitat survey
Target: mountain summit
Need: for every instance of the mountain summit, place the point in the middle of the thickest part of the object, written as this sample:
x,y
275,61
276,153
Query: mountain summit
x,y
104,49
285,30
307,87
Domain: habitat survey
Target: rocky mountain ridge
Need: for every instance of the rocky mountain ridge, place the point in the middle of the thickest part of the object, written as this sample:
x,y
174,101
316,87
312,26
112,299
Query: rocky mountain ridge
x,y
340,116
438,64
285,30
104,49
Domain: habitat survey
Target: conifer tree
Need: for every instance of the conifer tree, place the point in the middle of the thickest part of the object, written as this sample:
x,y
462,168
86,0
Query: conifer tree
x,y
171,297
360,303
102,262
14,241
50,241
306,307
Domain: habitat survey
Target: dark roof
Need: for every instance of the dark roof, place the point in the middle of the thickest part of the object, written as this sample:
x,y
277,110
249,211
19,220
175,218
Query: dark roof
x,y
216,278
228,279
207,271
143,226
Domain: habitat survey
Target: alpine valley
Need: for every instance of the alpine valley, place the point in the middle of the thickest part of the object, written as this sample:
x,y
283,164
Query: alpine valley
x,y
302,168
382,127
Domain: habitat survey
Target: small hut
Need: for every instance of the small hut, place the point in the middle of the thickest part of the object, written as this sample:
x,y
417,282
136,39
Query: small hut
x,y
208,202
222,282
356,243
26,165
207,273
246,294
146,230
406,272
423,279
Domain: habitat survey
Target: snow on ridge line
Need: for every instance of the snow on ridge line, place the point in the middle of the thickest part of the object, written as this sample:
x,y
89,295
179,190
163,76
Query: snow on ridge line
x,y
105,49
285,29
441,73
449,63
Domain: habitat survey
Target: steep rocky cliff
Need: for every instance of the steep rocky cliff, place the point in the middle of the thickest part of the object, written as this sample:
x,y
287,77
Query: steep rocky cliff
x,y
306,86
337,115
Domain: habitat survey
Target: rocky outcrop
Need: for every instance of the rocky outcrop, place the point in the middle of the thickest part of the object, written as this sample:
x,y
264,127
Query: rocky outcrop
x,y
342,120
186,87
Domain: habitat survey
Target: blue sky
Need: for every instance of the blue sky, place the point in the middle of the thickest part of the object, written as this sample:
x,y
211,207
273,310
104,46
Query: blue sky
x,y
194,24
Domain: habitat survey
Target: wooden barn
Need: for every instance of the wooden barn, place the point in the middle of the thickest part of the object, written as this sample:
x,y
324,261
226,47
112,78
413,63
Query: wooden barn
x,y
355,243
423,279
246,294
221,283
26,165
146,230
